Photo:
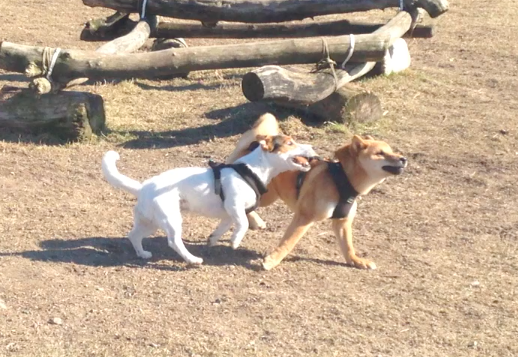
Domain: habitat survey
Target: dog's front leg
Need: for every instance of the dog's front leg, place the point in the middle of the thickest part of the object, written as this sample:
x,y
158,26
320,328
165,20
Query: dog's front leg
x,y
297,228
237,212
221,229
344,235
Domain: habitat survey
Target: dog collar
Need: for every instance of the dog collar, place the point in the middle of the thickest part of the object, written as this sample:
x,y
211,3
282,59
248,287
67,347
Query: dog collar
x,y
246,174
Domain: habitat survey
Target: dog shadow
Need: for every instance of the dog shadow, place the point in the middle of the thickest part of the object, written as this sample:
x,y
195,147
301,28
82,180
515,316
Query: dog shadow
x,y
112,252
231,121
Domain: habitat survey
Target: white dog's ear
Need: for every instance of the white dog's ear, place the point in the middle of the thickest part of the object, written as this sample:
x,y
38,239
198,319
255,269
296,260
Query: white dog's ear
x,y
358,144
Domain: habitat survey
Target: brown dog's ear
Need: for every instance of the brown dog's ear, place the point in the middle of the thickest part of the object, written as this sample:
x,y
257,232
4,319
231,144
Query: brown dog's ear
x,y
265,142
357,143
368,137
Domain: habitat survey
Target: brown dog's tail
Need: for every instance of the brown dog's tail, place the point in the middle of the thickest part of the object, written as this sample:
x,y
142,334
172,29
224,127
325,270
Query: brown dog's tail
x,y
266,125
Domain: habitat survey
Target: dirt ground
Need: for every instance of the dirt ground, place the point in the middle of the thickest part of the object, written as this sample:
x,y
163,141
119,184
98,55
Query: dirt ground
x,y
444,234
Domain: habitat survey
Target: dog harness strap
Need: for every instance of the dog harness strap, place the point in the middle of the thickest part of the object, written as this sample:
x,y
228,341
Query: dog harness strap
x,y
302,175
300,181
246,174
347,193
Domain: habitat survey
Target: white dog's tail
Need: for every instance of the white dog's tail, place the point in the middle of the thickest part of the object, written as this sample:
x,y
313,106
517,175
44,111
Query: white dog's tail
x,y
115,178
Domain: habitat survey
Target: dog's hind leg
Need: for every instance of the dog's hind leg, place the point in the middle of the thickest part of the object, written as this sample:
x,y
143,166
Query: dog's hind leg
x,y
221,229
297,228
171,223
141,229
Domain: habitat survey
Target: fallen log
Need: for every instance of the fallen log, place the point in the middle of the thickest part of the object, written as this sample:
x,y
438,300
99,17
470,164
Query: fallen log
x,y
279,84
293,85
73,64
172,30
161,44
257,11
347,105
231,30
69,116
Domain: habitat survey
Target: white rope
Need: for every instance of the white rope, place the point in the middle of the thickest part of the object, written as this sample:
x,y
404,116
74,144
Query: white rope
x,y
351,51
53,62
143,10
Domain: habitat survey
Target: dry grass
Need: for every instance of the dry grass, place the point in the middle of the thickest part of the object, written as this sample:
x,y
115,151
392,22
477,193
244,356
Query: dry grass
x,y
444,234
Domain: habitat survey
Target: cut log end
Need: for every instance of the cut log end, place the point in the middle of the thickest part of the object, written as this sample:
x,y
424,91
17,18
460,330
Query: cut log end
x,y
363,107
252,87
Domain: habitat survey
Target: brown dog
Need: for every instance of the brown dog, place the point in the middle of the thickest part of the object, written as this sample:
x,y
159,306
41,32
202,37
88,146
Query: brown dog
x,y
315,197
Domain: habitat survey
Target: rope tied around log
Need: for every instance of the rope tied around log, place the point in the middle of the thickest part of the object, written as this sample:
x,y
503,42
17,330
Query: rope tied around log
x,y
143,10
352,41
326,62
43,83
49,61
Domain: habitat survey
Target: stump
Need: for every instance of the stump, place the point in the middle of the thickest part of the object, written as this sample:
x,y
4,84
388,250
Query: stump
x,y
69,116
347,105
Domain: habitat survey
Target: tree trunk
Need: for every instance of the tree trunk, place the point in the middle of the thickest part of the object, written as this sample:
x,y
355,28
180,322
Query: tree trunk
x,y
73,64
347,105
231,30
69,116
172,30
296,86
257,11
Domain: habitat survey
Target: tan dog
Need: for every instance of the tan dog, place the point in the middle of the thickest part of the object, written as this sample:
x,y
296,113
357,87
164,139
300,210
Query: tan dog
x,y
366,163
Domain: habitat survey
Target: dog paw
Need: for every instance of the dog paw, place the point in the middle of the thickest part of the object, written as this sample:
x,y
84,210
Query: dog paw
x,y
235,245
256,223
145,254
363,264
269,263
195,261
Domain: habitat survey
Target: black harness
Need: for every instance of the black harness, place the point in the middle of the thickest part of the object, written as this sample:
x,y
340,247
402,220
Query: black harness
x,y
346,191
248,175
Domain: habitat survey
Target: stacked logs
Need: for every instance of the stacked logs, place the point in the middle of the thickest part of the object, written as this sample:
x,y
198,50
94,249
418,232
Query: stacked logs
x,y
325,93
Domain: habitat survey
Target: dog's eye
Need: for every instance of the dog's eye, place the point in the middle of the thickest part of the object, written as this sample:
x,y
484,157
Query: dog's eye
x,y
381,153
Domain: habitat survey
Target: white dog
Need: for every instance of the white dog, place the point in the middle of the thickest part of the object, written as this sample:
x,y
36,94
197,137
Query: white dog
x,y
161,198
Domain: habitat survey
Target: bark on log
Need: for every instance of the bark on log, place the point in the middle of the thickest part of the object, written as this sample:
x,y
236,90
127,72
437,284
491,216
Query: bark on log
x,y
292,85
69,116
161,44
257,11
73,64
347,105
102,27
231,30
